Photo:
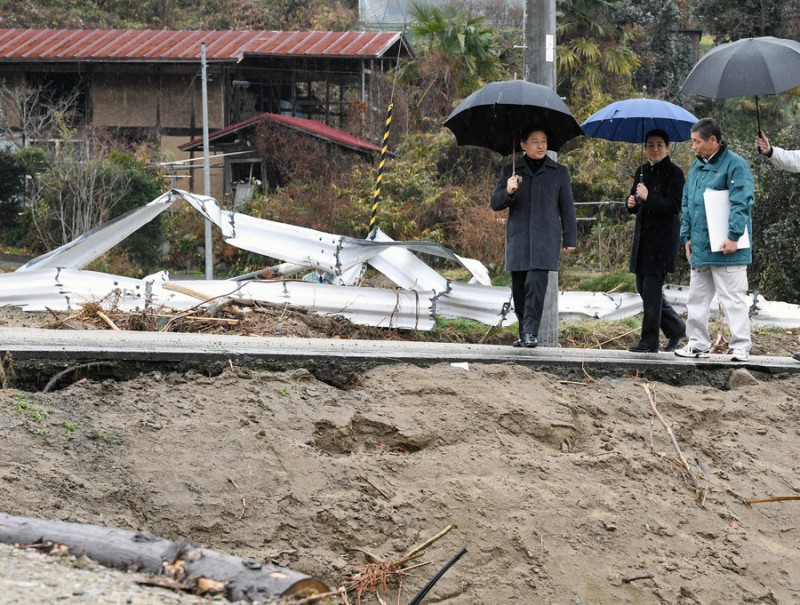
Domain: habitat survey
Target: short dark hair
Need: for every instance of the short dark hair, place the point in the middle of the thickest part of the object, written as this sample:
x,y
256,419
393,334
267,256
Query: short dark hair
x,y
528,129
657,132
707,128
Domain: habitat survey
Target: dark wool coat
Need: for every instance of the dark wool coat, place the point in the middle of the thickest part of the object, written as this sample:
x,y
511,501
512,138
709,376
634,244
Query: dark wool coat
x,y
656,238
541,216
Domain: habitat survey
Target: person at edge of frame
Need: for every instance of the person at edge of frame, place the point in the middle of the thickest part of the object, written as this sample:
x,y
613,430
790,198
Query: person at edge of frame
x,y
785,159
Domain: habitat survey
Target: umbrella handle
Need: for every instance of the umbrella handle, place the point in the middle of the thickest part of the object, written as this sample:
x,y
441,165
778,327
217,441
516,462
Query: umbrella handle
x,y
641,180
758,120
514,156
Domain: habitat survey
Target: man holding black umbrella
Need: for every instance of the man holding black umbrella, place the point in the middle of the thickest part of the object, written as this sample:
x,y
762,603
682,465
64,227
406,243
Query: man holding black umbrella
x,y
541,215
721,270
784,159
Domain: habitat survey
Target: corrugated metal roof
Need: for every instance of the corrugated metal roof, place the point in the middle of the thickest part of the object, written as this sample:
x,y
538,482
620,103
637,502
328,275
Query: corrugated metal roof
x,y
312,127
169,45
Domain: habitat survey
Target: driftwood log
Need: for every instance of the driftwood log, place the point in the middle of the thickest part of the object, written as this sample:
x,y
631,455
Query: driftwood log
x,y
195,569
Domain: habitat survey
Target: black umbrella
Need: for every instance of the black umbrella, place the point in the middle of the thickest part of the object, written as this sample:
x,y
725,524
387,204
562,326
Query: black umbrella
x,y
493,116
747,67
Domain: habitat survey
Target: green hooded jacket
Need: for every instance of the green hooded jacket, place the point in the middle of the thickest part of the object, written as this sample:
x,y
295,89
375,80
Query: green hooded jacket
x,y
726,170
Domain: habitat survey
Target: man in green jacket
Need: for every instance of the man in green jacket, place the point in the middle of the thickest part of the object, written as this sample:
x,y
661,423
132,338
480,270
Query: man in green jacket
x,y
722,271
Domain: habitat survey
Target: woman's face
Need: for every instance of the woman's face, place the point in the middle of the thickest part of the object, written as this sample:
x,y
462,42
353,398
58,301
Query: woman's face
x,y
535,146
656,149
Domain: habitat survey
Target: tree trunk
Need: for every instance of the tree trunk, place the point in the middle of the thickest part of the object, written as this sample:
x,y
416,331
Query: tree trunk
x,y
191,566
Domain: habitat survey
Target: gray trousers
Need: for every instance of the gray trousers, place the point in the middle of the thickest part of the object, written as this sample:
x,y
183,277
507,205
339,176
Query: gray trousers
x,y
729,283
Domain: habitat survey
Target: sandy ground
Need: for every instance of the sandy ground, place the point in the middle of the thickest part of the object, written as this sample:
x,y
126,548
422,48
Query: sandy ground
x,y
561,492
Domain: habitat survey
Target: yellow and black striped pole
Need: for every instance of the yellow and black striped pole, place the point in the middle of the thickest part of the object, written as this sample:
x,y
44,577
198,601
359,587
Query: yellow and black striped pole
x,y
376,197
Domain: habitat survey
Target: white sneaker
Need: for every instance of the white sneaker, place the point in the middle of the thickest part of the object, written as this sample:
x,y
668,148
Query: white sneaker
x,y
739,355
688,351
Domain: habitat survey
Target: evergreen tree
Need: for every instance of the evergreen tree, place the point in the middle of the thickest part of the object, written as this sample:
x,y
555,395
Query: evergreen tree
x,y
728,21
666,56
594,50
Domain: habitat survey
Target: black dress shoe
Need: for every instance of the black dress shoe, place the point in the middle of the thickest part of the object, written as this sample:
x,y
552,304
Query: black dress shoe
x,y
673,342
529,341
640,348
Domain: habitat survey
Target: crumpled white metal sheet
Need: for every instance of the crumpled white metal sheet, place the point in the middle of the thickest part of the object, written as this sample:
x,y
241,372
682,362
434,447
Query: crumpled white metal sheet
x,y
334,253
381,307
677,296
94,243
775,314
295,245
70,289
598,305
766,313
490,306
57,281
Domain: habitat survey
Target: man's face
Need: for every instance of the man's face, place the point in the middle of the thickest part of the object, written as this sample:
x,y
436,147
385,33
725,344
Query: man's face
x,y
535,146
704,148
656,149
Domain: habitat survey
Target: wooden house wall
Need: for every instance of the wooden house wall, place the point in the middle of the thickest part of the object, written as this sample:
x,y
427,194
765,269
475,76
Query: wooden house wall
x,y
163,97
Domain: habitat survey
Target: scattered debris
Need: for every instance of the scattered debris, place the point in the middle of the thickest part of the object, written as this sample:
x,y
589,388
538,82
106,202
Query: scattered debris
x,y
772,499
374,577
700,492
648,576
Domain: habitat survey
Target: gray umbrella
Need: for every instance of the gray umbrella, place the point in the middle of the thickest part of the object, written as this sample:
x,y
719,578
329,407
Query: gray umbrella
x,y
747,67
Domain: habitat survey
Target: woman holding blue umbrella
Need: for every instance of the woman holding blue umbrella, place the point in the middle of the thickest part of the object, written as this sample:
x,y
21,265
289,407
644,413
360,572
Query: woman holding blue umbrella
x,y
655,199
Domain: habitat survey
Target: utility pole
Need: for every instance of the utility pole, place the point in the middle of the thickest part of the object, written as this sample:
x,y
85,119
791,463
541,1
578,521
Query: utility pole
x,y
206,164
539,67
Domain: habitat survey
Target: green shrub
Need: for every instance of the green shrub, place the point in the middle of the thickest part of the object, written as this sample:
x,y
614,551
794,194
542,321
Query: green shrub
x,y
609,282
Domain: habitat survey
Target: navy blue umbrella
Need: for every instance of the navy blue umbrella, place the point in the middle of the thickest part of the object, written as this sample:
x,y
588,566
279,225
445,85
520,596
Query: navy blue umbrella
x,y
630,120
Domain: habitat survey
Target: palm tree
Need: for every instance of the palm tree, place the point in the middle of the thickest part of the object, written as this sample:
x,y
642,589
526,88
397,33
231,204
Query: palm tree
x,y
456,54
594,54
451,31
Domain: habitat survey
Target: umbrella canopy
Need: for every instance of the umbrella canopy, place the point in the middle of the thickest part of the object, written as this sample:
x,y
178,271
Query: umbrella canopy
x,y
493,116
747,67
630,120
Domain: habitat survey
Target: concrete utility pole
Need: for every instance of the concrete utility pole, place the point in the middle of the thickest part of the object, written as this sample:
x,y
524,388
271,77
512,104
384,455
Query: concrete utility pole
x,y
206,165
539,67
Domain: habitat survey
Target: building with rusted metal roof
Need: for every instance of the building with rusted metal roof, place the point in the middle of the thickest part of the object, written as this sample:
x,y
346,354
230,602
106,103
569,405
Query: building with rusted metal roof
x,y
146,84
243,166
